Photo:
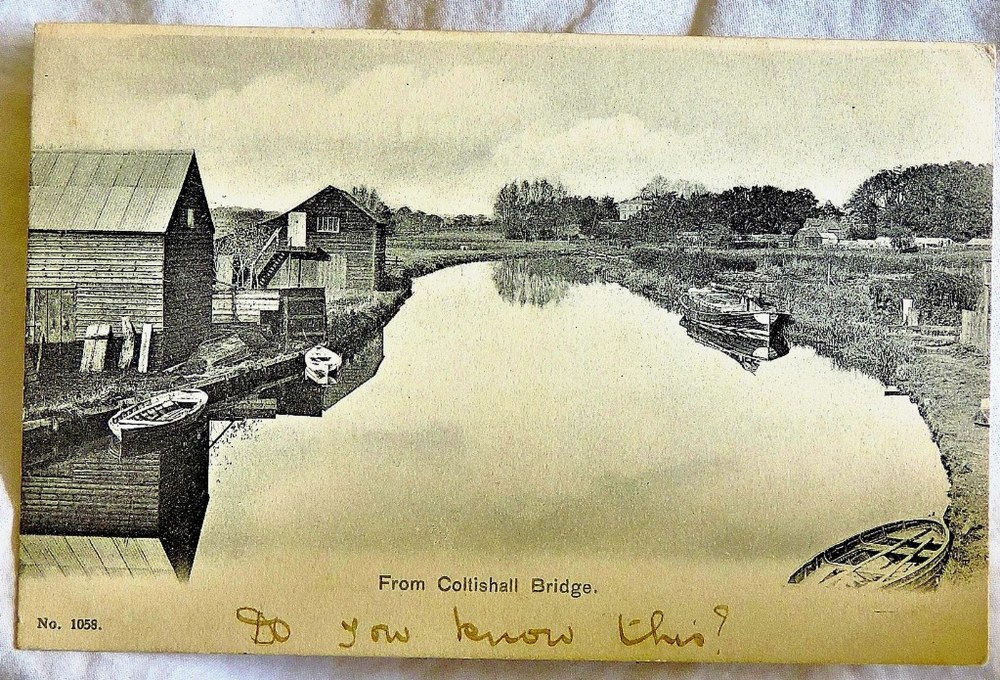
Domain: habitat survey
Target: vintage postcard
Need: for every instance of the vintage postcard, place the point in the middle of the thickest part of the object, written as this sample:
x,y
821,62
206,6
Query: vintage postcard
x,y
519,346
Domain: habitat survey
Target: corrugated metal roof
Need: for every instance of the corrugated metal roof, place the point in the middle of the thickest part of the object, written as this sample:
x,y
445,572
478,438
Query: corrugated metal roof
x,y
130,191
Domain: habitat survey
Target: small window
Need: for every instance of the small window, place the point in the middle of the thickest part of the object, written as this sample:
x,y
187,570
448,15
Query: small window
x,y
190,216
329,225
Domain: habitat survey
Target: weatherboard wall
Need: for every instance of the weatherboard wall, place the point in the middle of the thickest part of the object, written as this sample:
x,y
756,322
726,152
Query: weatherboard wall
x,y
113,274
188,272
361,240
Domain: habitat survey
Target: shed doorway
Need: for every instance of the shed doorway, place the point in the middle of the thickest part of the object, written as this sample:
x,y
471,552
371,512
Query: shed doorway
x,y
297,229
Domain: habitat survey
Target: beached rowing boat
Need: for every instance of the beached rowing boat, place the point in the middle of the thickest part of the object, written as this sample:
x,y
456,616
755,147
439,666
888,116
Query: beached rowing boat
x,y
159,414
905,554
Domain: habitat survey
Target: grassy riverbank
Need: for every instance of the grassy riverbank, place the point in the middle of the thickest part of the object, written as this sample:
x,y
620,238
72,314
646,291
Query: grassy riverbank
x,y
412,256
846,305
69,394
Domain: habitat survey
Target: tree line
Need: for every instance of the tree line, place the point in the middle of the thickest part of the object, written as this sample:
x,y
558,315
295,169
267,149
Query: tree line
x,y
542,210
952,200
404,220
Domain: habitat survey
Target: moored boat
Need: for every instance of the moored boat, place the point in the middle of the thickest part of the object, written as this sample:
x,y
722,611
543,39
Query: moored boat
x,y
723,311
905,554
322,365
158,414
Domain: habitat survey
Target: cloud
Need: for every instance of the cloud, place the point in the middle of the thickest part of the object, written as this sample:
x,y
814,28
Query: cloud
x,y
612,155
441,124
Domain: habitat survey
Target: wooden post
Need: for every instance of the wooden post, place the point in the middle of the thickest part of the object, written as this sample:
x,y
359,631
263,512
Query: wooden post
x,y
101,347
128,344
829,272
89,342
147,339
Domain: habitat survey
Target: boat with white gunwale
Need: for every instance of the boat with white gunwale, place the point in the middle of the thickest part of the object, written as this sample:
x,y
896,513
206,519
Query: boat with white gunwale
x,y
322,365
158,415
907,554
722,310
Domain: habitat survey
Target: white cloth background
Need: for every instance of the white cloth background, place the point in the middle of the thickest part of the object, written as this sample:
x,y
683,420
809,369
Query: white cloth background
x,y
971,20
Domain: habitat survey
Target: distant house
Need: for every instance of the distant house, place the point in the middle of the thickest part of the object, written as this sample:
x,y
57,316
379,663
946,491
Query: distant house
x,y
632,207
980,243
817,232
115,234
328,241
861,243
933,243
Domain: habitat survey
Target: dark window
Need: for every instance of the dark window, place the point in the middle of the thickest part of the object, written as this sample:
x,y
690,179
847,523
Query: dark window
x,y
329,225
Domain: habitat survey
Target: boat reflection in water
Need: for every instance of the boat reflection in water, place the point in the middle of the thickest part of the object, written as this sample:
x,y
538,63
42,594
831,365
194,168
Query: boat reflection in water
x,y
299,397
748,352
294,395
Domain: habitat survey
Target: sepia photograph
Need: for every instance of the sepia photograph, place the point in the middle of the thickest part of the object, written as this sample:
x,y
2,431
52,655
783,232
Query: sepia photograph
x,y
506,345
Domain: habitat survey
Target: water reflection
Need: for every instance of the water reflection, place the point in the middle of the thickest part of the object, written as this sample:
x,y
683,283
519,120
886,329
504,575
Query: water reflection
x,y
749,353
298,397
92,506
535,281
110,510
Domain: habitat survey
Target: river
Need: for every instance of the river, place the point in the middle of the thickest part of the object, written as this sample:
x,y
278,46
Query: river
x,y
519,414
513,422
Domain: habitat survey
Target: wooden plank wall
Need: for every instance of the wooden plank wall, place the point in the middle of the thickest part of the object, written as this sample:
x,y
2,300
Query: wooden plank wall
x,y
302,316
243,306
114,274
93,494
189,273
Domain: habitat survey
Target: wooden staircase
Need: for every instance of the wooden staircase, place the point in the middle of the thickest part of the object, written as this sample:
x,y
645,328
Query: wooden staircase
x,y
259,272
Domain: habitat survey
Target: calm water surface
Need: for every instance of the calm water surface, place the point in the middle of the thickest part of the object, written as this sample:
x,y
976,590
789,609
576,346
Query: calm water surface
x,y
515,415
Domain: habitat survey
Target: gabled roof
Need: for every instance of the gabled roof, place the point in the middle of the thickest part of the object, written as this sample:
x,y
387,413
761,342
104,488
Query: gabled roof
x,y
125,191
330,189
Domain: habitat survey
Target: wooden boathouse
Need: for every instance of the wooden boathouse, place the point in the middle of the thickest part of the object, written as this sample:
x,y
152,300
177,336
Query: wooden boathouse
x,y
328,241
115,234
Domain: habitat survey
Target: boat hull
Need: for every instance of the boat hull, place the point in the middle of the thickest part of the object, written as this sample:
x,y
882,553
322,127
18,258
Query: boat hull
x,y
749,352
158,417
752,324
878,556
322,365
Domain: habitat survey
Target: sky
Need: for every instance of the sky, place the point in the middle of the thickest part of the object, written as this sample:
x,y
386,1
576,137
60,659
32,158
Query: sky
x,y
439,122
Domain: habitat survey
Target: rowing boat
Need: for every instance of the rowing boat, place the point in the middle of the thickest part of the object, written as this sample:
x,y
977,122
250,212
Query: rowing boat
x,y
322,365
159,414
905,554
723,311
748,352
